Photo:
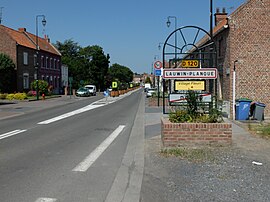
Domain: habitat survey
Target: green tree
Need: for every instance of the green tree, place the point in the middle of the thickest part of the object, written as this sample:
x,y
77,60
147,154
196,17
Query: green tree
x,y
120,73
71,58
88,64
7,74
98,65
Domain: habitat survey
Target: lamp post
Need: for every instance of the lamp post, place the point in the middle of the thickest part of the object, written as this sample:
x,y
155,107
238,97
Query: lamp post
x,y
233,96
37,49
175,26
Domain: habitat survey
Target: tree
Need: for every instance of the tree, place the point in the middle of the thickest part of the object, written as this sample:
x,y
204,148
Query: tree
x,y
86,65
7,74
71,58
120,73
98,65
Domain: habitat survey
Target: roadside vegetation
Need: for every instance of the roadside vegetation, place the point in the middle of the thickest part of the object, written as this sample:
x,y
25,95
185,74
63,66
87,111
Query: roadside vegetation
x,y
194,112
261,129
190,154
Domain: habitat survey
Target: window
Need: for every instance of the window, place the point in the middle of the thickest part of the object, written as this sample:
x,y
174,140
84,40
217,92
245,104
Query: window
x,y
51,64
35,60
47,62
25,58
54,65
25,81
42,61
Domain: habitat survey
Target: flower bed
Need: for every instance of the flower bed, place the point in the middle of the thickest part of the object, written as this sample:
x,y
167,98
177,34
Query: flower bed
x,y
194,134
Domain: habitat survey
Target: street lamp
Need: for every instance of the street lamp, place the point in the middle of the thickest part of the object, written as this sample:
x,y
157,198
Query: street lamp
x,y
168,25
37,49
233,97
159,46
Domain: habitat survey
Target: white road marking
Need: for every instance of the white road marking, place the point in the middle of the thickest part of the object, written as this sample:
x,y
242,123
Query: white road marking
x,y
11,133
94,105
69,114
46,200
93,156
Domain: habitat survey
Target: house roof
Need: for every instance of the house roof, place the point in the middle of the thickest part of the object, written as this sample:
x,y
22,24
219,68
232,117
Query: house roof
x,y
24,38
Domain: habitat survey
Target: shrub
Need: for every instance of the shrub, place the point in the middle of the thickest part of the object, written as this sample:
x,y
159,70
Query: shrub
x,y
10,96
3,96
193,114
20,96
42,86
32,93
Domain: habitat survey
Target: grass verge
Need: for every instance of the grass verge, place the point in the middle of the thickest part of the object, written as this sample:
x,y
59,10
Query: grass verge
x,y
190,154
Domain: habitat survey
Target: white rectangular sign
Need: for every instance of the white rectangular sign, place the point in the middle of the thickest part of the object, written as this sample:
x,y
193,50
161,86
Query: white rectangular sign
x,y
184,73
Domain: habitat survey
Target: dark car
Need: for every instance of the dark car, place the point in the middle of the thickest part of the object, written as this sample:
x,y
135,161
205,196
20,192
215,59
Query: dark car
x,y
82,92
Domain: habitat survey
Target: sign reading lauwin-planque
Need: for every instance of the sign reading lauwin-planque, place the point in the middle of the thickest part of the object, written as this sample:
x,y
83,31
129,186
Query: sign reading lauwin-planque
x,y
183,73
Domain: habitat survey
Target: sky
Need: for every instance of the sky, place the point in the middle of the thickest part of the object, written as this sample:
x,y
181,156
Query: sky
x,y
128,30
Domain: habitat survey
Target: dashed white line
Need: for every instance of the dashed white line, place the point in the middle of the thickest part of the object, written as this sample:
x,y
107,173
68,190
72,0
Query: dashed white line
x,y
46,200
69,114
11,133
92,157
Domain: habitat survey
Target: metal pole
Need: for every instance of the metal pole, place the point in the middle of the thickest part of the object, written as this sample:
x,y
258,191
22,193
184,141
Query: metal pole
x,y
211,19
37,49
233,96
37,62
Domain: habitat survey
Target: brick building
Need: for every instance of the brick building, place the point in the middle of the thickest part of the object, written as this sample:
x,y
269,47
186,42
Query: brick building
x,y
20,46
243,41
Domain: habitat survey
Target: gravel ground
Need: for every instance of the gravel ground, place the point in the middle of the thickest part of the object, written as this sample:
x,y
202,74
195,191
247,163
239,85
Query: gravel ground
x,y
230,176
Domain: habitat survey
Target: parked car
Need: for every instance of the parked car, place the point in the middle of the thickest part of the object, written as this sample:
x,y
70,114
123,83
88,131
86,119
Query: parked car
x,y
92,89
82,92
147,86
150,92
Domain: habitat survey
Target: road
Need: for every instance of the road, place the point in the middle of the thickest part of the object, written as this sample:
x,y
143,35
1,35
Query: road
x,y
69,153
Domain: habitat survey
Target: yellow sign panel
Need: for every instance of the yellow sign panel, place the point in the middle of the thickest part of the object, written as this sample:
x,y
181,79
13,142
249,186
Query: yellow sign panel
x,y
189,85
114,84
189,63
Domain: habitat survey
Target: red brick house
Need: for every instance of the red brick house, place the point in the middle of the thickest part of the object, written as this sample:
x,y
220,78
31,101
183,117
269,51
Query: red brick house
x,y
243,41
20,46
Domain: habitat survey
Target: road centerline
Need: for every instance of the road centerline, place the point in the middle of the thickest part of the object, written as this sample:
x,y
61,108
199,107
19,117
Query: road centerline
x,y
93,156
11,133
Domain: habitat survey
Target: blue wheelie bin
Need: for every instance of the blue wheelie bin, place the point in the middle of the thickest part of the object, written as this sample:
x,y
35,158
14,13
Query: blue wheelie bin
x,y
242,107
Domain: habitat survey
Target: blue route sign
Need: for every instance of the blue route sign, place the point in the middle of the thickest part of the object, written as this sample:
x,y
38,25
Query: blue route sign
x,y
158,72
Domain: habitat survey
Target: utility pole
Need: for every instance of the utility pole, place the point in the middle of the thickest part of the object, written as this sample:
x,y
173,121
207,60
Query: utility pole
x,y
1,8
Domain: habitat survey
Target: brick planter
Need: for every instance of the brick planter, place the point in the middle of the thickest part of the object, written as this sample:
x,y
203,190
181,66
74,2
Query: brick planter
x,y
195,134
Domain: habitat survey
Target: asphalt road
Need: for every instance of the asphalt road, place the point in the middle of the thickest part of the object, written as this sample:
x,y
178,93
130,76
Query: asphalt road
x,y
61,159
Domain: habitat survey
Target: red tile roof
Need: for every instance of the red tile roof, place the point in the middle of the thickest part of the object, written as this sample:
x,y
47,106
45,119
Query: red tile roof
x,y
24,38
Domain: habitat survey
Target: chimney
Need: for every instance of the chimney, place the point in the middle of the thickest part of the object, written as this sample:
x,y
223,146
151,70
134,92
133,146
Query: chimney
x,y
22,29
220,16
47,38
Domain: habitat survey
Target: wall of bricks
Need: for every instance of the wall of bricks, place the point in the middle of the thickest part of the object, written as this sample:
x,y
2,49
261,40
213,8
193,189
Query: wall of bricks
x,y
195,134
8,45
247,40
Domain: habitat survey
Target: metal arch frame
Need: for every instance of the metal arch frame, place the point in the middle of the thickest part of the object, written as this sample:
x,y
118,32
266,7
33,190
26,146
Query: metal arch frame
x,y
209,42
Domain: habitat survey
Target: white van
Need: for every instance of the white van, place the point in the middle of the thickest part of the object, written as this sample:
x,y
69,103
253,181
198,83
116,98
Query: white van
x,y
92,89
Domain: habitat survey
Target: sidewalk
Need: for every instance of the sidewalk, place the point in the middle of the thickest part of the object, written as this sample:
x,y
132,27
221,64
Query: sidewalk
x,y
231,176
10,109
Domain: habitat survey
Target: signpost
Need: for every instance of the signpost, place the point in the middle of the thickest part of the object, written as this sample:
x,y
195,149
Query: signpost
x,y
189,85
183,73
189,63
70,79
158,66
